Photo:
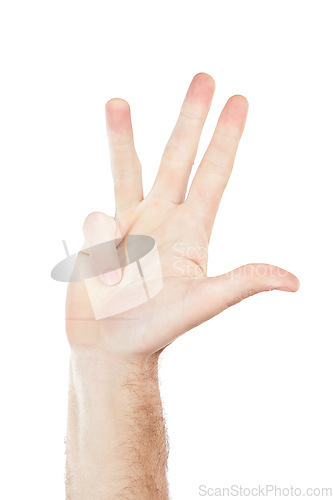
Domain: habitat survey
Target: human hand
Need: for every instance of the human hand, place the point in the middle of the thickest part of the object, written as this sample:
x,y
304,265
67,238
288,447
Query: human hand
x,y
180,225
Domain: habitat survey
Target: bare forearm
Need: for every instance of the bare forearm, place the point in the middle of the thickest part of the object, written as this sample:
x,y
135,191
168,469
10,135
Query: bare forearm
x,y
116,442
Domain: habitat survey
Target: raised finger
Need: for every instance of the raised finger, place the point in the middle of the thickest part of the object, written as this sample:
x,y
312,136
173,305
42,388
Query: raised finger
x,y
179,154
215,168
125,164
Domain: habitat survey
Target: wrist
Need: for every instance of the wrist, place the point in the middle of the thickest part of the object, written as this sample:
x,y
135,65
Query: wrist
x,y
115,424
97,367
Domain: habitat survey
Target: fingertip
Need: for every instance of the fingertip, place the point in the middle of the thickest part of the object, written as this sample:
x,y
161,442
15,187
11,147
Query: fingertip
x,y
236,106
240,99
295,283
118,115
115,104
204,79
234,113
201,89
292,284
93,219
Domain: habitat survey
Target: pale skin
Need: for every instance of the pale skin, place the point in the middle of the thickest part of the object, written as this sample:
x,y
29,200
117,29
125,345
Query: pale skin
x,y
116,440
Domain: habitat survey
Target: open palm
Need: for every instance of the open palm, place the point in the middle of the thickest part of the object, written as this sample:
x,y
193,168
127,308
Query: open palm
x,y
181,228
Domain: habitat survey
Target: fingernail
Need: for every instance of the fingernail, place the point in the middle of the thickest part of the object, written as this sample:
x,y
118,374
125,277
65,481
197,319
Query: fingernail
x,y
283,289
112,277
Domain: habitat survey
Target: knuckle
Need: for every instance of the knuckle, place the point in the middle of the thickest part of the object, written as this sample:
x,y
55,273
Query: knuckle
x,y
175,154
249,293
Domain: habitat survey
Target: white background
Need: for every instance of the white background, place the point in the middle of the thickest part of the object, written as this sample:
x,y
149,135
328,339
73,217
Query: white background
x,y
248,396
